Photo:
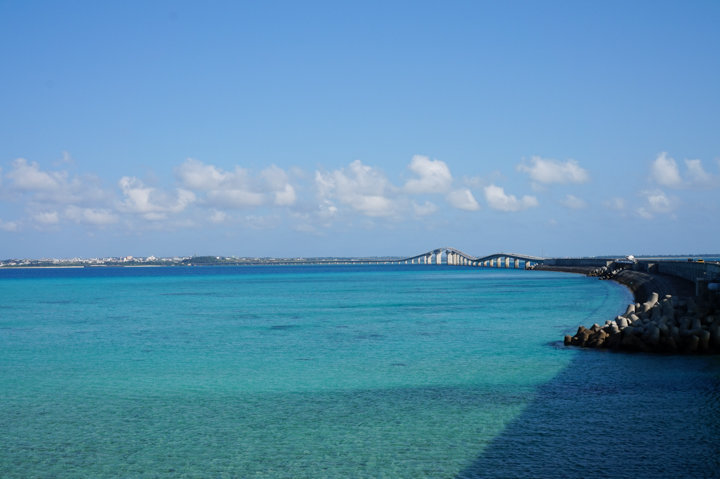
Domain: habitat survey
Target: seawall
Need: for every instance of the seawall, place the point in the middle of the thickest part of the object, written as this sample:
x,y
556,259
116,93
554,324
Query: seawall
x,y
641,283
668,315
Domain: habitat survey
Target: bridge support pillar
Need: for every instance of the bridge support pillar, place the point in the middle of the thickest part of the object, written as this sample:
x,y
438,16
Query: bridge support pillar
x,y
438,257
517,263
507,262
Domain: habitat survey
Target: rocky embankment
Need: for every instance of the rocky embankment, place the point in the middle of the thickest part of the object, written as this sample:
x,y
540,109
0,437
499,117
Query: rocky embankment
x,y
667,318
666,325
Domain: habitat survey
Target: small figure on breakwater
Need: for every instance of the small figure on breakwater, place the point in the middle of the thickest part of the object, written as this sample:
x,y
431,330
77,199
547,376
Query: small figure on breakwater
x,y
668,325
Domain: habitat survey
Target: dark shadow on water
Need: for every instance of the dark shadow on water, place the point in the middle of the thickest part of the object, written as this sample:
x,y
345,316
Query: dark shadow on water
x,y
617,416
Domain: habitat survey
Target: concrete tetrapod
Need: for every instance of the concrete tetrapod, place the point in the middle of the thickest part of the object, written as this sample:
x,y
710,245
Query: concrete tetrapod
x,y
669,325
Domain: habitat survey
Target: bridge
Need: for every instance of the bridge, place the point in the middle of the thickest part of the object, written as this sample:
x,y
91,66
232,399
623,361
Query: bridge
x,y
455,257
449,256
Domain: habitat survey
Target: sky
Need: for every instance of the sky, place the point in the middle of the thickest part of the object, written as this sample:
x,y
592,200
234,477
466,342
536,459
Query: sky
x,y
287,129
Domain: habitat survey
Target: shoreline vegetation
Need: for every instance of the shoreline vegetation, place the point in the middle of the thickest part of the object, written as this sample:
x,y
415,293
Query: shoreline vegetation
x,y
667,316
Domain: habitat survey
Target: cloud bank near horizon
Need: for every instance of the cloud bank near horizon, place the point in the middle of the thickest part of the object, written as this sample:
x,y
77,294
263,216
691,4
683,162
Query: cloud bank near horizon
x,y
197,193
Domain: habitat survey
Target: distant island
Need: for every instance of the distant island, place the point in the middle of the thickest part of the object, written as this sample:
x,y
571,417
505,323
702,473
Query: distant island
x,y
130,261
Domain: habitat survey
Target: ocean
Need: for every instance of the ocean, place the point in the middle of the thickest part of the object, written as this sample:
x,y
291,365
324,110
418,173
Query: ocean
x,y
395,371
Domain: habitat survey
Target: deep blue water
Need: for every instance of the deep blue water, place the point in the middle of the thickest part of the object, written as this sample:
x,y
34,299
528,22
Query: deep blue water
x,y
336,371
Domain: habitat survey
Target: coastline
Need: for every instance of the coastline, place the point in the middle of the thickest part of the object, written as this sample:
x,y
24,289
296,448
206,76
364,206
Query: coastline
x,y
667,316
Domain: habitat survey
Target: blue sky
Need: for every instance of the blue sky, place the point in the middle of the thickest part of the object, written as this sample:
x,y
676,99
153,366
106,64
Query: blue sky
x,y
364,128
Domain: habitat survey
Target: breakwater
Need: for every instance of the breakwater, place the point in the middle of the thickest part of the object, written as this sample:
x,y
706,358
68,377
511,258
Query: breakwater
x,y
671,314
670,324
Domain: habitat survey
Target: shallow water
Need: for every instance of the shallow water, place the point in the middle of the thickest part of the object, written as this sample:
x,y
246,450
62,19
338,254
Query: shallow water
x,y
333,371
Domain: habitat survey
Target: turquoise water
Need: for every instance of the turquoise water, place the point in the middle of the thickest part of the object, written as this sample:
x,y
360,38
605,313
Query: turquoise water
x,y
332,371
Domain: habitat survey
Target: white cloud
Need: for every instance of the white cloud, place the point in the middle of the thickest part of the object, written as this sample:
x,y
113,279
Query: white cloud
x,y
236,189
659,202
53,187
573,202
664,171
28,176
44,193
373,205
91,216
499,200
235,198
433,176
656,202
643,212
151,203
286,197
327,210
425,209
546,171
278,183
218,216
196,175
463,199
47,217
697,174
615,204
359,186
9,226
477,182
274,177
